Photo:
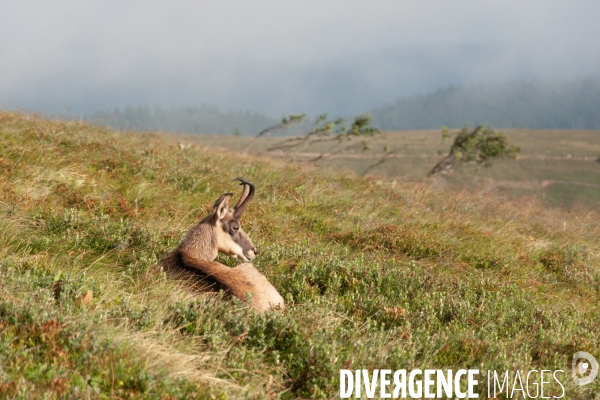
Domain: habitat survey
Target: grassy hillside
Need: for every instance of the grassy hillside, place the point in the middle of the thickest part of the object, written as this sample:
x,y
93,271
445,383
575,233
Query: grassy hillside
x,y
375,274
558,167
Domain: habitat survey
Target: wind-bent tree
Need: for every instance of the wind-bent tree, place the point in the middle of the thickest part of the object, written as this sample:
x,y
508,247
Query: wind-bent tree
x,y
478,146
332,131
284,124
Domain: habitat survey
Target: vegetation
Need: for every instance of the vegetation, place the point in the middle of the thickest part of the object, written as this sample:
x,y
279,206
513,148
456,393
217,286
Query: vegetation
x,y
330,131
535,104
193,119
520,104
286,123
480,145
558,167
375,274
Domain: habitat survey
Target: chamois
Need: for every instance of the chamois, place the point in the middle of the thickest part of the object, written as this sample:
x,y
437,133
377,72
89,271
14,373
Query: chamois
x,y
220,231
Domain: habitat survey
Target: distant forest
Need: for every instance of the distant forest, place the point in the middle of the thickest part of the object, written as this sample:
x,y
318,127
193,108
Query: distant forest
x,y
194,119
573,104
568,104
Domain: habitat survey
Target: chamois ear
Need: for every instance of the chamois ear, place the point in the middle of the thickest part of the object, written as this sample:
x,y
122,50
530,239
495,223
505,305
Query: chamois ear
x,y
222,205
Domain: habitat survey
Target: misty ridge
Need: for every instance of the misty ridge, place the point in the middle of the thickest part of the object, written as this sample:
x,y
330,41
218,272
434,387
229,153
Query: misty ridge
x,y
207,119
533,104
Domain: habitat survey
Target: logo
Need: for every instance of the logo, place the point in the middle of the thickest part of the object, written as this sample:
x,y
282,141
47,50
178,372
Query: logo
x,y
582,362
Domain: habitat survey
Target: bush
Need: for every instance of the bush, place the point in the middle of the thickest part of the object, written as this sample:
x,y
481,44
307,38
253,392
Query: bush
x,y
480,145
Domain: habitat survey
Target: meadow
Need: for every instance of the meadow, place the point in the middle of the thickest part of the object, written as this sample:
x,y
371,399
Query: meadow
x,y
376,273
561,168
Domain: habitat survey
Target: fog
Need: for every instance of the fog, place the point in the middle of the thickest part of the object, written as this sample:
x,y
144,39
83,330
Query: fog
x,y
280,57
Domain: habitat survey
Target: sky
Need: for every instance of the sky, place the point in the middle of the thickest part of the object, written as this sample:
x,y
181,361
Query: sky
x,y
281,57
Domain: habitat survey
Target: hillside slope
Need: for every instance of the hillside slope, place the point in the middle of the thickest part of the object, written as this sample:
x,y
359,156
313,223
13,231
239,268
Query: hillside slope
x,y
521,104
375,275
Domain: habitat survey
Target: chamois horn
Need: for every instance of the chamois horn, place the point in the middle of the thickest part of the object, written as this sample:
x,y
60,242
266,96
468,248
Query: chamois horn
x,y
245,198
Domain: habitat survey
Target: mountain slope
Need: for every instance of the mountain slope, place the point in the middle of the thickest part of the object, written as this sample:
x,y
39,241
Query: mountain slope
x,y
532,104
375,274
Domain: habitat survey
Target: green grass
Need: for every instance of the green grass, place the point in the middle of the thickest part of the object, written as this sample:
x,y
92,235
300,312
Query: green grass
x,y
375,274
559,167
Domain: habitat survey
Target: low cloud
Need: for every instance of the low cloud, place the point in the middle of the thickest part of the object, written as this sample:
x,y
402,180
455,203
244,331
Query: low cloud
x,y
278,58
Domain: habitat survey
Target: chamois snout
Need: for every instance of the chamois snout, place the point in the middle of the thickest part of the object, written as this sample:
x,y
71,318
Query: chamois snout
x,y
250,255
247,250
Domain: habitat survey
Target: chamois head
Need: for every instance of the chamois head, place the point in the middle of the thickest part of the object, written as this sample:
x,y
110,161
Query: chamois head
x,y
230,237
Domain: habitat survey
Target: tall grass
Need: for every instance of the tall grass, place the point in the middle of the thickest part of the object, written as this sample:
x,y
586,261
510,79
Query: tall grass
x,y
375,274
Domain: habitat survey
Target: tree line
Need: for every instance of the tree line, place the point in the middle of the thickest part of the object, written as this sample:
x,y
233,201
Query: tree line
x,y
193,119
535,104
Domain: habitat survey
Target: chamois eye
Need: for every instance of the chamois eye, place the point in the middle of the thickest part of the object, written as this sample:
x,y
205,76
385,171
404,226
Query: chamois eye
x,y
235,228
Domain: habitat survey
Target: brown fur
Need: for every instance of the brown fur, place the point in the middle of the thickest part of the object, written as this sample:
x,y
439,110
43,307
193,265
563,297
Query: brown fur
x,y
193,259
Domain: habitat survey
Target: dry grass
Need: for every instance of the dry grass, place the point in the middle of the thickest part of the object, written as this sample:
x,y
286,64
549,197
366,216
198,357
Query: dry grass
x,y
558,167
374,272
